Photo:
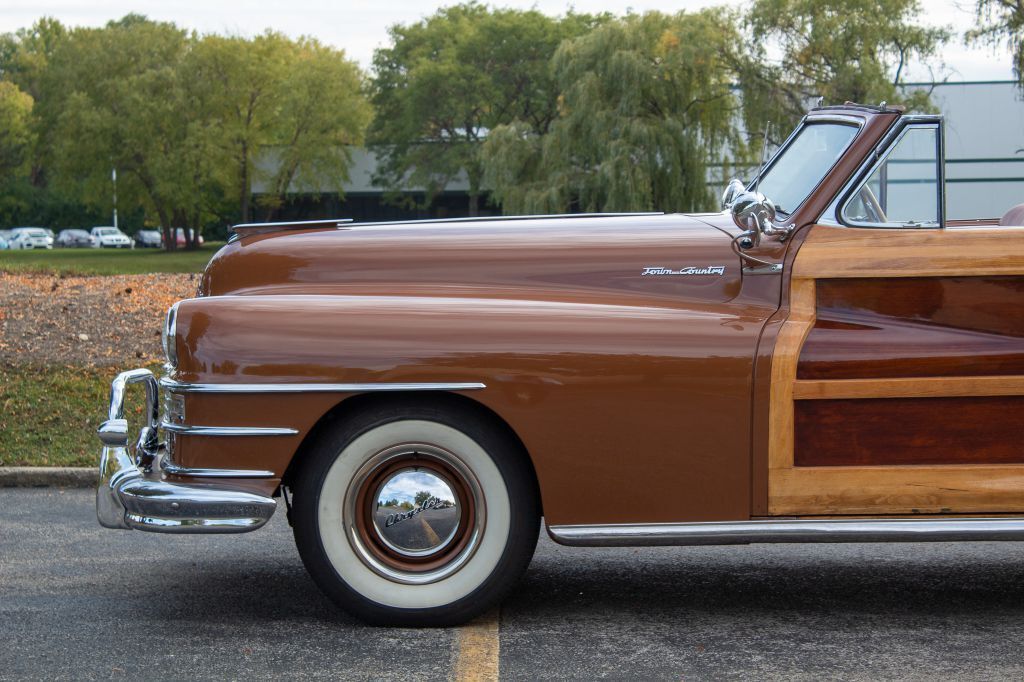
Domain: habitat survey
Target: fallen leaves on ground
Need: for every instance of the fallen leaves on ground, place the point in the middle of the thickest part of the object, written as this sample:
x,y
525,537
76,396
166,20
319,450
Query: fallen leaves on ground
x,y
104,321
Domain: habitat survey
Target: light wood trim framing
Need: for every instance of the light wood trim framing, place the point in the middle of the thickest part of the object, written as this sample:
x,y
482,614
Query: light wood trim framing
x,y
923,387
853,252
951,488
784,360
830,252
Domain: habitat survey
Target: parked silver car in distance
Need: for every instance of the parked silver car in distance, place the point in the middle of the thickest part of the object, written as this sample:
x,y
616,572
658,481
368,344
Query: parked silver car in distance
x,y
30,238
149,238
110,237
74,238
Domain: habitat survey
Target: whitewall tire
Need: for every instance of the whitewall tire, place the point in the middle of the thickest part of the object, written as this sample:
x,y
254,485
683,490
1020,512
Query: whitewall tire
x,y
409,514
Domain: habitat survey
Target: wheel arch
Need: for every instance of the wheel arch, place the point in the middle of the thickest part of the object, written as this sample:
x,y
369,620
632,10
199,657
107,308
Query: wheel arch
x,y
354,405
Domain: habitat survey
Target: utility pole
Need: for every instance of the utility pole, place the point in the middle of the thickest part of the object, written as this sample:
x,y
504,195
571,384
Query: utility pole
x,y
113,176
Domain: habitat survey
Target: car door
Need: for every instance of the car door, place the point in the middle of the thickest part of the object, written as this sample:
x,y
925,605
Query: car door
x,y
898,379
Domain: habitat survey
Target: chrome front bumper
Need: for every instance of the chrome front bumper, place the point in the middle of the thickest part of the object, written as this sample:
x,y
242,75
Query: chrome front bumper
x,y
132,494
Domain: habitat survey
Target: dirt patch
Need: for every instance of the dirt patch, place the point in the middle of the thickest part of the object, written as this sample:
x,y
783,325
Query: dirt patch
x,y
101,321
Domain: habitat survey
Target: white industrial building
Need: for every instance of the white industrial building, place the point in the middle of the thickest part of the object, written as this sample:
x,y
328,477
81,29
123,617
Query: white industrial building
x,y
984,146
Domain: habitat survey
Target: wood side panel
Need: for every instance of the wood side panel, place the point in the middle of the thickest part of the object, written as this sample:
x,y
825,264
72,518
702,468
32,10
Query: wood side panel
x,y
888,431
904,327
839,253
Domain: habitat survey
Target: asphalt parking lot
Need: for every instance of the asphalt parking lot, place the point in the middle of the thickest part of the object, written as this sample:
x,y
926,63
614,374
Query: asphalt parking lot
x,y
77,601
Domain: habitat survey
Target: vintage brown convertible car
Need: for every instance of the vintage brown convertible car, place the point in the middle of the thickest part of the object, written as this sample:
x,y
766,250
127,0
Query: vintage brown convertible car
x,y
828,360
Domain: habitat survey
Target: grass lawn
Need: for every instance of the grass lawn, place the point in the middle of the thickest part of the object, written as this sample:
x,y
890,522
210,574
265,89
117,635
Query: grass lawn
x,y
49,415
107,261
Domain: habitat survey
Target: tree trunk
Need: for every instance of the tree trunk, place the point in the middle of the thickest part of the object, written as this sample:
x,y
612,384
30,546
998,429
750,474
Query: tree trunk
x,y
244,186
474,194
170,243
161,208
178,220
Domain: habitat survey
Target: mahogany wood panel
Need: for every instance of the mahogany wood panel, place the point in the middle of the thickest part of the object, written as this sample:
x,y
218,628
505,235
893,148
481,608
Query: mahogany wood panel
x,y
909,327
887,431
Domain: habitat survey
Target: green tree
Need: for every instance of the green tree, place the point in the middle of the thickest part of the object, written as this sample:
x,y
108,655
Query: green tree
x,y
188,122
646,103
24,58
841,50
25,54
322,114
449,79
421,497
237,88
111,100
15,129
276,110
999,22
16,141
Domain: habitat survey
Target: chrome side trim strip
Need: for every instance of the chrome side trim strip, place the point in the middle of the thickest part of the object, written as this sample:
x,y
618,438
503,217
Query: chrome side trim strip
x,y
227,430
790,530
181,387
174,469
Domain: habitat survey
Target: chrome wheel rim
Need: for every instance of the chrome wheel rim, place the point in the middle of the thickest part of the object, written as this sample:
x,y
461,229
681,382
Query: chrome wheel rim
x,y
414,513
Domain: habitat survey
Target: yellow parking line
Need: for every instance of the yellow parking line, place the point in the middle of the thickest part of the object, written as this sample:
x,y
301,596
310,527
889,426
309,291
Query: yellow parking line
x,y
477,648
431,535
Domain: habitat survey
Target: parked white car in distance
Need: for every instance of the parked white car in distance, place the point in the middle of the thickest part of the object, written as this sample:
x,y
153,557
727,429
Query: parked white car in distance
x,y
110,237
30,238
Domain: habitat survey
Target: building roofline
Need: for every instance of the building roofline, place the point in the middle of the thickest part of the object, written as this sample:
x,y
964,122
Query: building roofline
x,y
942,83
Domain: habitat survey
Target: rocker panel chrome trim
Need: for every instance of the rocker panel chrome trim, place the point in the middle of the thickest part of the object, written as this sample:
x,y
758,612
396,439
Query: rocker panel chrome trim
x,y
790,530
181,387
227,430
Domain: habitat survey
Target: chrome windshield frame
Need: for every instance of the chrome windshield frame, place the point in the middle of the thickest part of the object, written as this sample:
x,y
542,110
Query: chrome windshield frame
x,y
812,118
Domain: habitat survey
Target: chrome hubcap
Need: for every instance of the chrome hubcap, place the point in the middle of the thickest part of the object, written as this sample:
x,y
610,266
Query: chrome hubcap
x,y
416,512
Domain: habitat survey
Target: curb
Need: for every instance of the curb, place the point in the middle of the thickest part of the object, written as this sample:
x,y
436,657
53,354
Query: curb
x,y
48,477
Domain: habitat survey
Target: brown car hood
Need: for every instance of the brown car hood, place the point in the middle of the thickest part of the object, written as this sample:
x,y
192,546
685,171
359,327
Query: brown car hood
x,y
583,258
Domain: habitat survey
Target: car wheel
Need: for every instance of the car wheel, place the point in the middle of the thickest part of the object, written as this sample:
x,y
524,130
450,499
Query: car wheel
x,y
415,516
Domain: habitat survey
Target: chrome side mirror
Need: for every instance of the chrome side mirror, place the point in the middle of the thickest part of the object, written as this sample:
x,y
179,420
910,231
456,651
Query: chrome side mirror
x,y
755,213
732,190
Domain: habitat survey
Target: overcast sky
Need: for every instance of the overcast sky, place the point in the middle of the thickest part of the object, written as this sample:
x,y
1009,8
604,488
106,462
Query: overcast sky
x,y
360,26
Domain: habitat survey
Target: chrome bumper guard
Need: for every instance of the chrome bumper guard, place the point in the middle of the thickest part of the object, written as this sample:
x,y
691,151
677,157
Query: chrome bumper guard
x,y
130,495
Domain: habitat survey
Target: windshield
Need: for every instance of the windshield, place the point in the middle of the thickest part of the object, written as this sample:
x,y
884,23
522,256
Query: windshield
x,y
35,233
106,231
804,162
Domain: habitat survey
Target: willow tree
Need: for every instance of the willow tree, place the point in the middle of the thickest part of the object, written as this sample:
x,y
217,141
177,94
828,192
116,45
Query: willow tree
x,y
1002,22
646,104
449,79
840,50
